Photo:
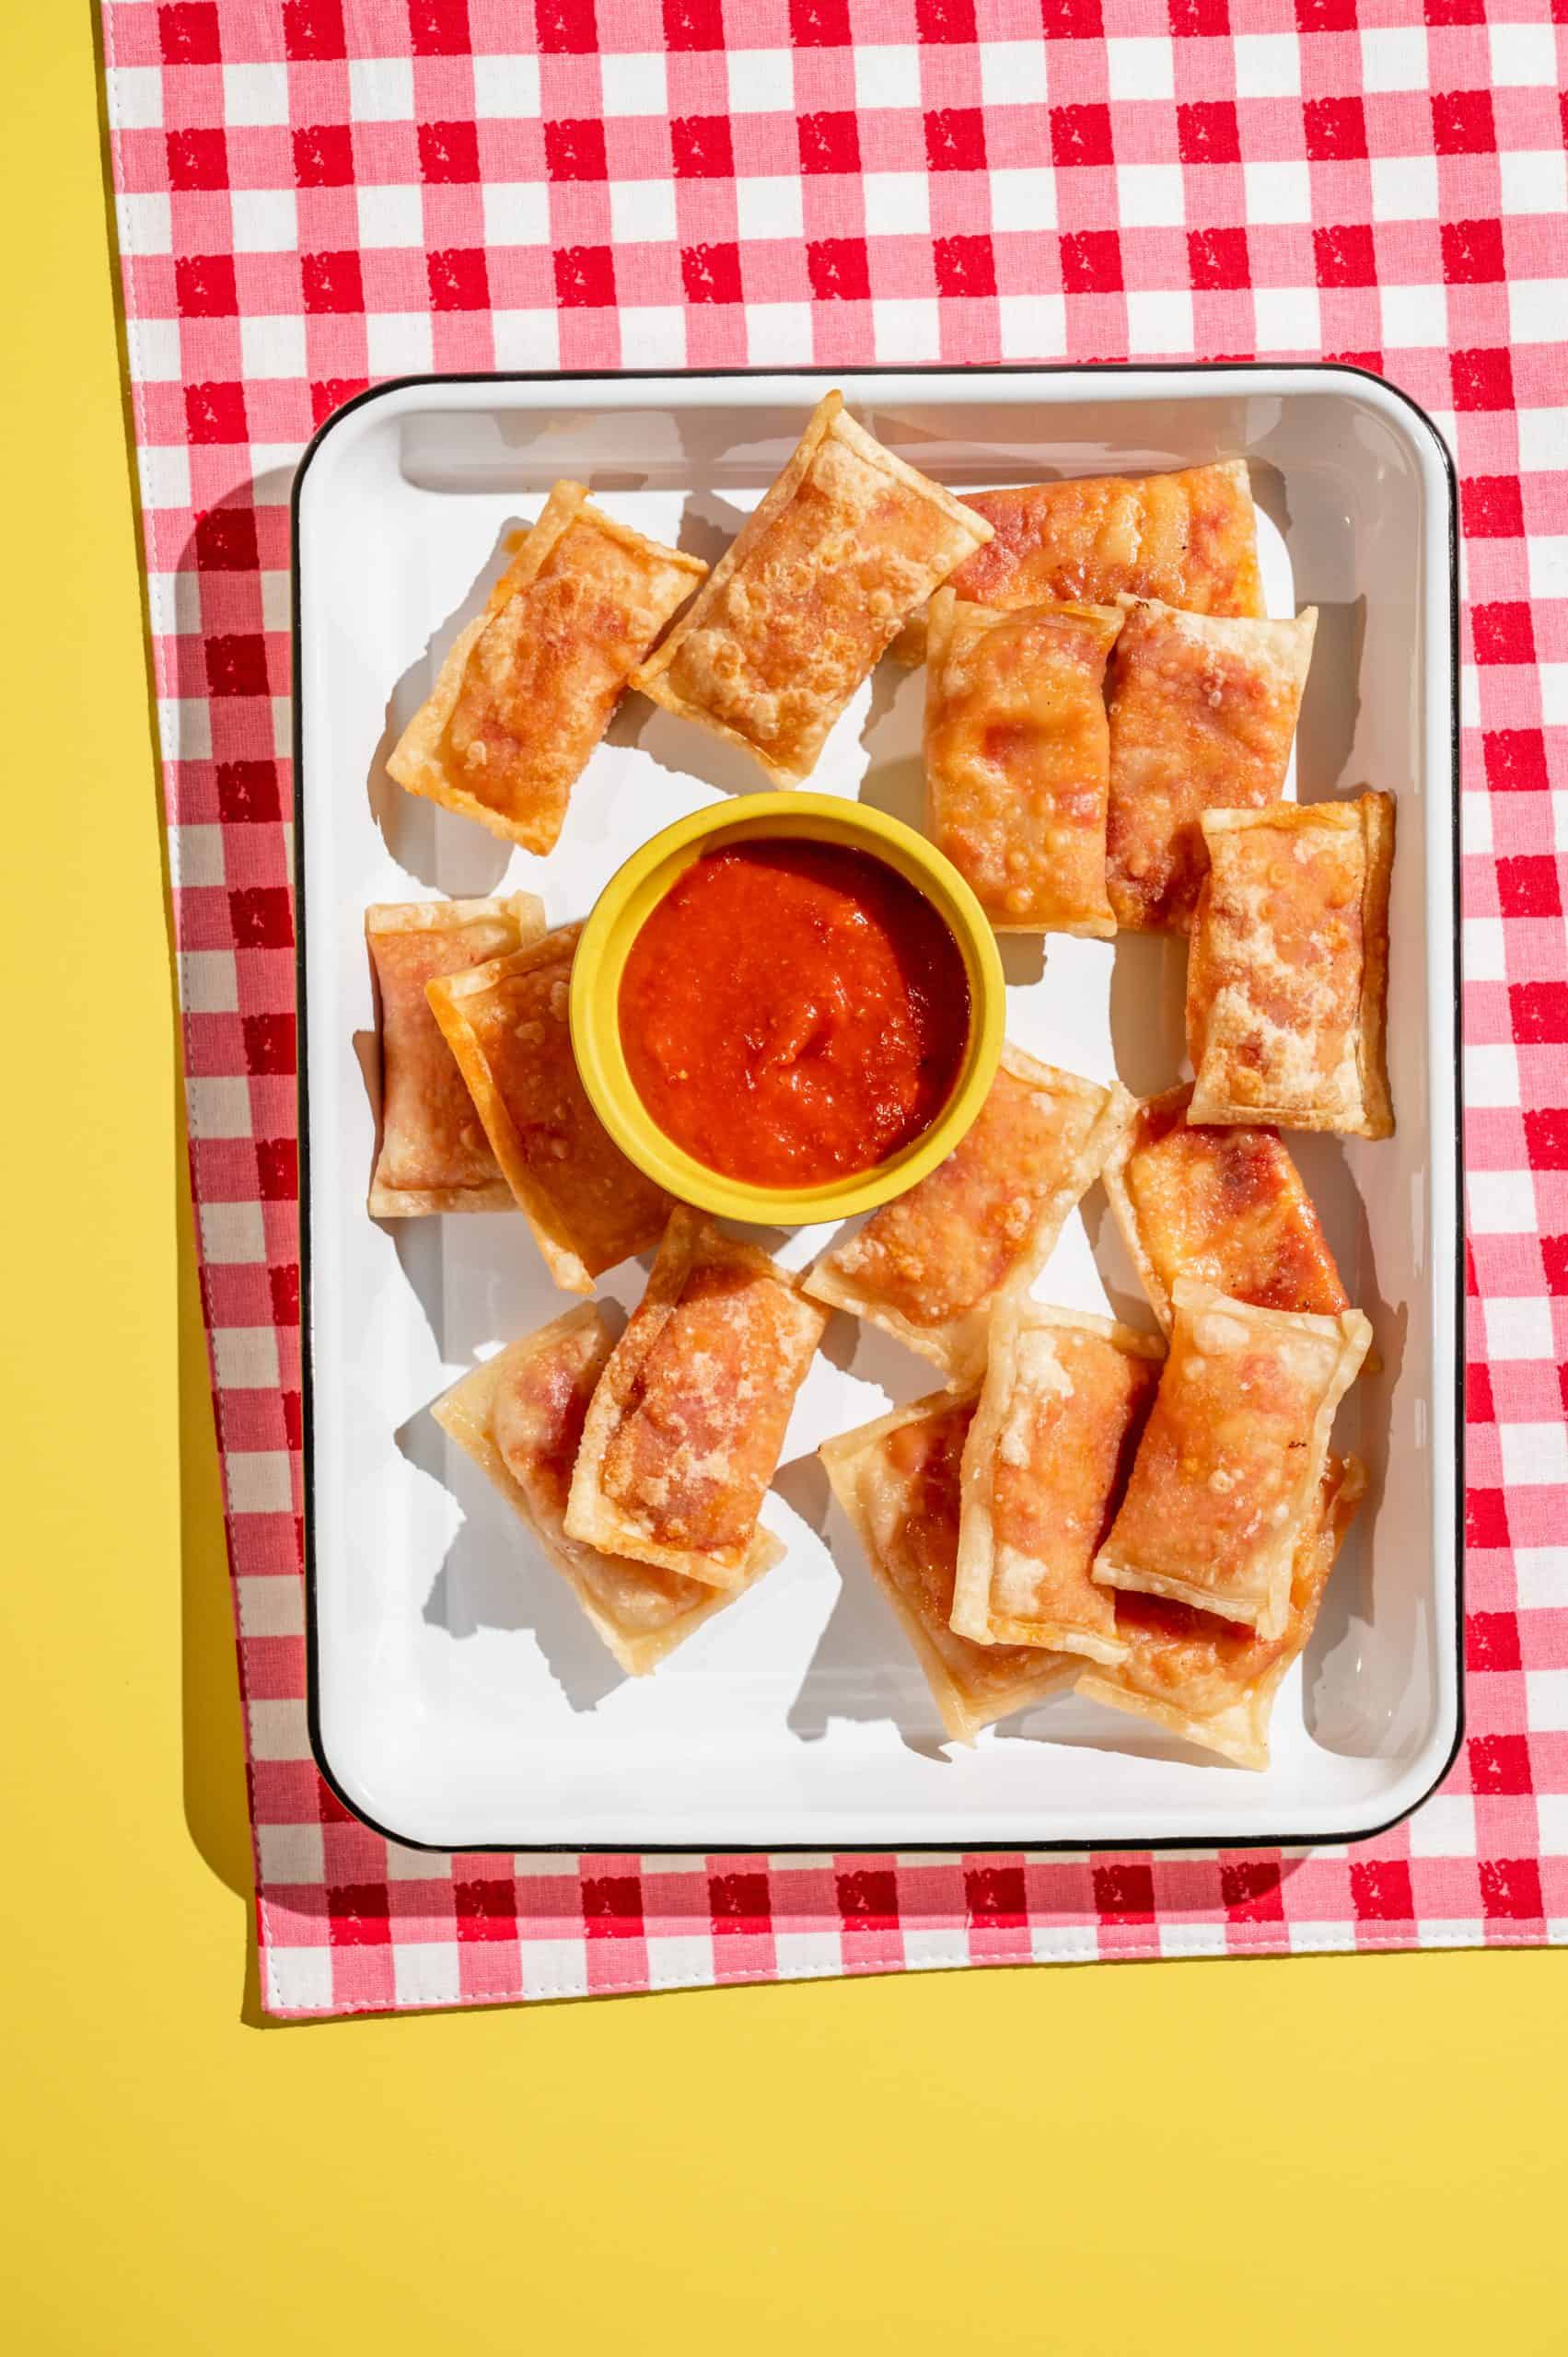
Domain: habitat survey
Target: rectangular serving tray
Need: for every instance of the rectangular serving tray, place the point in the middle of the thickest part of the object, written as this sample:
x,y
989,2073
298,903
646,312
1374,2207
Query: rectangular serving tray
x,y
458,1699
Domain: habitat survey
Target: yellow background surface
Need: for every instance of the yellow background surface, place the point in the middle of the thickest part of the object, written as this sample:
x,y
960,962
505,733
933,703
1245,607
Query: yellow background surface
x,y
1355,2155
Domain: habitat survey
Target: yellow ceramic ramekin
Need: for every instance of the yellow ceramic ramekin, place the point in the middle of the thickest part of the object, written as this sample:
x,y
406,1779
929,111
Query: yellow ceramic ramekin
x,y
624,906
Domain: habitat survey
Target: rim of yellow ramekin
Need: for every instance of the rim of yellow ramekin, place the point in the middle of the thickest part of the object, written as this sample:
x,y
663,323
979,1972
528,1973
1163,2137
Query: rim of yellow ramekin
x,y
624,906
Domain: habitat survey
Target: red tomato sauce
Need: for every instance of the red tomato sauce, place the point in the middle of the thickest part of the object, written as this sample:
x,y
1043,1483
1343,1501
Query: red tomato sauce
x,y
793,1012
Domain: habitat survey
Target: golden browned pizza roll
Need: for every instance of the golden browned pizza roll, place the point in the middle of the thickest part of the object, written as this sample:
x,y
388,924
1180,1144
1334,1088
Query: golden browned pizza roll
x,y
530,687
685,1427
897,1482
1017,759
1189,538
1227,1469
433,1154
1046,1460
521,1417
929,1266
1203,717
1288,975
1213,1681
508,1023
845,543
1227,1206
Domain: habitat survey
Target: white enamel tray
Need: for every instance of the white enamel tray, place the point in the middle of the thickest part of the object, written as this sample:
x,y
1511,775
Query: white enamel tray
x,y
457,1697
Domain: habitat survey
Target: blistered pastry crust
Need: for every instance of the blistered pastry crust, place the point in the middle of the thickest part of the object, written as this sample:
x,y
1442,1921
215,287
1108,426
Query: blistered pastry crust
x,y
432,1154
898,1480
1045,1463
1225,1205
1231,1457
1203,717
1189,538
507,1024
1017,759
843,545
1287,976
528,687
928,1266
1213,1682
684,1430
519,1416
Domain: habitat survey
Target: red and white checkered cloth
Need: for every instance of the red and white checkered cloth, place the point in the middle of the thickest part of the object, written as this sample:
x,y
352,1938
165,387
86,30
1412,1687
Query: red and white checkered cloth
x,y
314,193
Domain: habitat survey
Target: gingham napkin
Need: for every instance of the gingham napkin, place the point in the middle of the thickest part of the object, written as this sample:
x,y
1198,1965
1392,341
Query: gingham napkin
x,y
314,193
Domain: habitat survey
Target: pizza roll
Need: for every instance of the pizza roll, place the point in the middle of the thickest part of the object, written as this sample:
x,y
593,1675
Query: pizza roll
x,y
433,1154
1287,977
1228,1466
845,545
684,1430
898,1480
929,1265
1203,717
1212,1681
1225,1206
521,1418
1017,759
529,687
1189,539
507,1025
1045,1464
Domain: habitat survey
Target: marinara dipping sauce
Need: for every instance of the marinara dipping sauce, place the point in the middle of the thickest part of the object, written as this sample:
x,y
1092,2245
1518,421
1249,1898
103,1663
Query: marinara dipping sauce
x,y
793,1012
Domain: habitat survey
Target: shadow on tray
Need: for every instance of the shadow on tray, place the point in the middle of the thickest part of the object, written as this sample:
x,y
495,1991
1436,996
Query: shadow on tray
x,y
494,1578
